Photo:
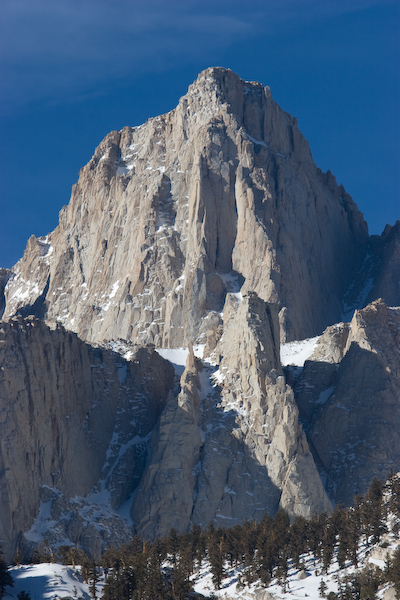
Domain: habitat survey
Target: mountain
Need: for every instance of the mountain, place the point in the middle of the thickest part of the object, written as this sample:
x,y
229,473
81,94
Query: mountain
x,y
209,230
223,184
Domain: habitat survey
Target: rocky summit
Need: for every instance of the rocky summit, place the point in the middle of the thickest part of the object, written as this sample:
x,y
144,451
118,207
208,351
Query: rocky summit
x,y
142,386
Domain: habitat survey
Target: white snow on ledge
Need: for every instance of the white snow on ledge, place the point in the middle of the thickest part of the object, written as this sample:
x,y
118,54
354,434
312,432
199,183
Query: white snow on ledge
x,y
296,353
178,356
258,142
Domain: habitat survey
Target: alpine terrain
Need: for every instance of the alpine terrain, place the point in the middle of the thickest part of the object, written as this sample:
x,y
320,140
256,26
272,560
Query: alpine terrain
x,y
209,335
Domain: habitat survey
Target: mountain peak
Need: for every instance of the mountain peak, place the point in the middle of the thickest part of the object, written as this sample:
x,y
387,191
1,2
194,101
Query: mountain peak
x,y
223,183
219,86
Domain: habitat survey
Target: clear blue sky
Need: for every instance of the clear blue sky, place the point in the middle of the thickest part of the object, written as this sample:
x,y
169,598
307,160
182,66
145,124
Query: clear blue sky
x,y
73,70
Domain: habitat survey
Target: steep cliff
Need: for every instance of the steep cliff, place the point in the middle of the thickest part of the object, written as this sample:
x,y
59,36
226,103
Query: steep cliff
x,y
74,420
378,275
4,277
223,184
349,400
230,446
386,283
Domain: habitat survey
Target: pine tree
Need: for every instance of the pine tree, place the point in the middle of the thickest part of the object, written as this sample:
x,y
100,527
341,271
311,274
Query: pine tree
x,y
215,554
314,529
156,587
393,571
93,578
372,514
370,578
5,577
322,589
250,531
297,539
173,545
353,525
198,544
266,557
394,488
328,539
375,496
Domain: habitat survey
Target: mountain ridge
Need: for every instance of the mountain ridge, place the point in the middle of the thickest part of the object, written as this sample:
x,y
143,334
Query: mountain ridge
x,y
246,171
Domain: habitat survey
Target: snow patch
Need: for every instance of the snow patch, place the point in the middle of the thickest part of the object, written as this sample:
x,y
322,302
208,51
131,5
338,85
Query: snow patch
x,y
111,295
258,142
325,395
296,353
232,284
49,580
124,169
177,356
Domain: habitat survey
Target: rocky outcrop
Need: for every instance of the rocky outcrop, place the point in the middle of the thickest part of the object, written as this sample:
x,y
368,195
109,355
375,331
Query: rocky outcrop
x,y
230,447
4,277
253,385
163,213
379,273
348,395
74,420
387,282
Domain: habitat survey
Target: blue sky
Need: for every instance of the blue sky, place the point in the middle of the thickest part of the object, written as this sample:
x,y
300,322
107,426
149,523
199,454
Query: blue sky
x,y
73,70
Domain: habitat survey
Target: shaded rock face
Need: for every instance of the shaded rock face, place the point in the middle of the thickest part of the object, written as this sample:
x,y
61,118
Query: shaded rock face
x,y
74,419
4,277
230,446
163,212
348,396
379,273
387,281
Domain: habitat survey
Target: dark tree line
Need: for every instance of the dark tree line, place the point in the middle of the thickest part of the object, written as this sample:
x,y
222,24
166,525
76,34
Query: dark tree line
x,y
261,550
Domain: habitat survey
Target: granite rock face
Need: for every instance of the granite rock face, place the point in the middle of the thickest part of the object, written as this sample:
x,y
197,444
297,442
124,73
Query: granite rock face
x,y
378,275
386,283
230,446
223,184
74,420
349,400
4,277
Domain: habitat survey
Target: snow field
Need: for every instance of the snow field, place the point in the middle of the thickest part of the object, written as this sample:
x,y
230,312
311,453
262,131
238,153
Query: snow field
x,y
296,353
50,581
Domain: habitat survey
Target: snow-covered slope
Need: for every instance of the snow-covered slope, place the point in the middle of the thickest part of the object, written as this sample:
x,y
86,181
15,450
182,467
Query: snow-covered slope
x,y
307,580
50,581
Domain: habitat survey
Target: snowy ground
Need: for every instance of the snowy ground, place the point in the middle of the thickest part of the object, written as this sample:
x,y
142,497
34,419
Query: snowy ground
x,y
295,588
296,353
54,582
49,582
178,356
